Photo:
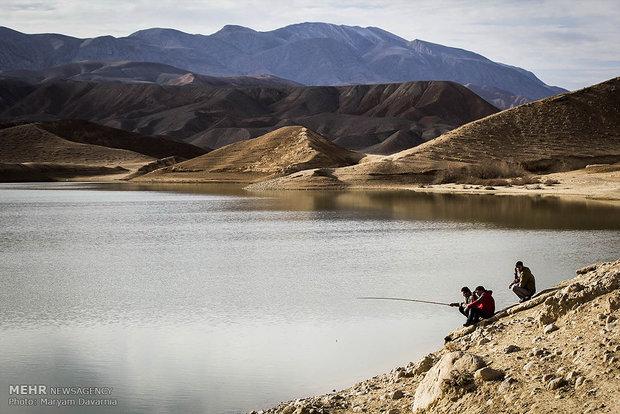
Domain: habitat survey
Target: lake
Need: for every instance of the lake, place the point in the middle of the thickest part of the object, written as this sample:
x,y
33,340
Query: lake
x,y
208,299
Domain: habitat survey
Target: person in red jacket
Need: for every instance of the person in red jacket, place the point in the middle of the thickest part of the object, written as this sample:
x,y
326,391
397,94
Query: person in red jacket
x,y
482,307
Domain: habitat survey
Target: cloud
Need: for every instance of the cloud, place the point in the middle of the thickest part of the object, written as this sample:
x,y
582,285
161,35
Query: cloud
x,y
563,42
20,6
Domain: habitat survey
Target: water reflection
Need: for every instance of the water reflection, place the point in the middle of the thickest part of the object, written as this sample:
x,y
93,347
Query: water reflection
x,y
529,212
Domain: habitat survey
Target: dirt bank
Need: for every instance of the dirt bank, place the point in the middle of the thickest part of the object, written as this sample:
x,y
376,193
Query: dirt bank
x,y
559,352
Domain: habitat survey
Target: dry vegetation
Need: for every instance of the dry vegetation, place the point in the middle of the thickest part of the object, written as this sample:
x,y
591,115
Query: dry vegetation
x,y
500,173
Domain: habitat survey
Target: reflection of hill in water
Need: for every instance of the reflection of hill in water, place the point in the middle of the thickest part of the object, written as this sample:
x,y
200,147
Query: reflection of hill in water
x,y
505,211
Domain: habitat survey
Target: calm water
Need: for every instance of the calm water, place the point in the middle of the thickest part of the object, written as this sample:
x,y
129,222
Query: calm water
x,y
212,300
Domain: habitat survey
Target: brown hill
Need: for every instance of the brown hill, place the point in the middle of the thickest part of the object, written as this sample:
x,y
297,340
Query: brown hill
x,y
32,143
359,117
560,134
566,132
284,151
90,133
29,152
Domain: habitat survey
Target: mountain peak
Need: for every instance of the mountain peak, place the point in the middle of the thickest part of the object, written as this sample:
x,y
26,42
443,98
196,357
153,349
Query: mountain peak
x,y
157,31
236,28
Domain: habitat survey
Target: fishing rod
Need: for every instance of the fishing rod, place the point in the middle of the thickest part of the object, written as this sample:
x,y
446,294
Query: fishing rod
x,y
405,300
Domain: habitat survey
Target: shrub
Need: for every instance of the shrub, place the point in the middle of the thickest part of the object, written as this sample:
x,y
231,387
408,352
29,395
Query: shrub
x,y
487,173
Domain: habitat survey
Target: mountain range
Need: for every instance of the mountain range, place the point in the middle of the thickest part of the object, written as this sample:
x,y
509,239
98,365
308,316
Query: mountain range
x,y
306,53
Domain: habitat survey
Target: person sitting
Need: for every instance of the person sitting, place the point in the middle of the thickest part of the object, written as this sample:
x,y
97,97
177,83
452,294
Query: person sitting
x,y
469,298
524,284
482,307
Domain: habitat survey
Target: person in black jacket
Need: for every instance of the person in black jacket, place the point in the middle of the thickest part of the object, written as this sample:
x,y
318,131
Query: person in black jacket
x,y
469,298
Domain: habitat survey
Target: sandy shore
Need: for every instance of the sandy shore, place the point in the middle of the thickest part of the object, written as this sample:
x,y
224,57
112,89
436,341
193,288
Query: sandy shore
x,y
580,184
595,183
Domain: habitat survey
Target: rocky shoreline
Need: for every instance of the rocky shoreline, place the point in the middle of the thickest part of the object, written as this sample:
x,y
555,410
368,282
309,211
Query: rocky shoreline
x,y
559,352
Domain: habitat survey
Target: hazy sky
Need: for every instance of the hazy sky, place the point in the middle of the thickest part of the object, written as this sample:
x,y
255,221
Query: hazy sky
x,y
566,43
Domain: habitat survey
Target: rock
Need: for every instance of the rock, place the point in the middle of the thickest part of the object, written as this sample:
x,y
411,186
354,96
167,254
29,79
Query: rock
x,y
424,365
511,348
587,269
613,302
436,381
550,328
393,411
489,374
483,341
547,377
571,376
400,374
539,352
557,383
579,382
289,409
506,385
528,367
396,395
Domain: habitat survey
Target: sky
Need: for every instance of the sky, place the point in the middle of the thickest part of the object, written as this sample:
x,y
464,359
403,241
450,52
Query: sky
x,y
565,43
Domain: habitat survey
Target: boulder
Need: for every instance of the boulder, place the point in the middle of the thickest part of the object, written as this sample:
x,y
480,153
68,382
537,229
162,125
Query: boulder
x,y
489,374
550,328
396,395
437,381
424,365
506,385
613,302
511,348
483,341
597,281
557,383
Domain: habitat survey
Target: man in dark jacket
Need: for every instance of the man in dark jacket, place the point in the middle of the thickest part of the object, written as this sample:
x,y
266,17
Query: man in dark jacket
x,y
469,298
524,284
482,307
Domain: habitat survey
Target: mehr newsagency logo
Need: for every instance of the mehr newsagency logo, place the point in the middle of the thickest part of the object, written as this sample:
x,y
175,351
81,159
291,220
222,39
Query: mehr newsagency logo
x,y
60,396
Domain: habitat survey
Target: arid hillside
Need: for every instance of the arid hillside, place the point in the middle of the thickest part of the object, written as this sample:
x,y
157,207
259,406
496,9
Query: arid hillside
x,y
380,119
281,152
563,133
558,133
67,149
85,132
32,143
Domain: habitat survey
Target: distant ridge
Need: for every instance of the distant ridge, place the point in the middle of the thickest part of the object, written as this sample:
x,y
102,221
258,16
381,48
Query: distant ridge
x,y
137,72
306,53
211,114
